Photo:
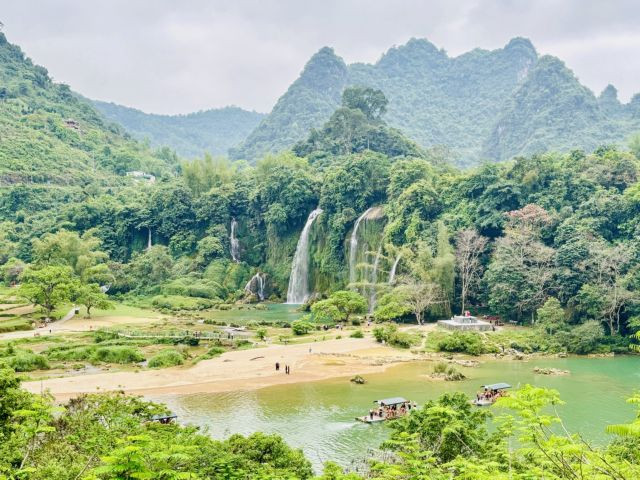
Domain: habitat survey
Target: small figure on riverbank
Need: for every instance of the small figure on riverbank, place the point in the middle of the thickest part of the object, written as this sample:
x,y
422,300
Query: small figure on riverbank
x,y
277,366
287,369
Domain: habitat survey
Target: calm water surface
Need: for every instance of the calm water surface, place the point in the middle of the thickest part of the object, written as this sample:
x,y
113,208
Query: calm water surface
x,y
319,417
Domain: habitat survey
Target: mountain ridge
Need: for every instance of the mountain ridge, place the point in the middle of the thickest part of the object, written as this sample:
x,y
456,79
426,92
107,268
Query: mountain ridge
x,y
213,130
459,102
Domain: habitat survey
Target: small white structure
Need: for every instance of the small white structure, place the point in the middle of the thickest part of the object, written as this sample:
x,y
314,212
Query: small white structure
x,y
466,322
137,175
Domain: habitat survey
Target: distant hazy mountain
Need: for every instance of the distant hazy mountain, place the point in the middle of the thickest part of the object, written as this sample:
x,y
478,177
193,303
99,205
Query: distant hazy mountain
x,y
191,135
482,104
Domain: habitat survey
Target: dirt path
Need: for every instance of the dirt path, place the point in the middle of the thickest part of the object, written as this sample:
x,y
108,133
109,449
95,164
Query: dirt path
x,y
240,370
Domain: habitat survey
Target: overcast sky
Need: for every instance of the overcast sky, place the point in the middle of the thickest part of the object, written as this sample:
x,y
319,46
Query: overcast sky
x,y
169,56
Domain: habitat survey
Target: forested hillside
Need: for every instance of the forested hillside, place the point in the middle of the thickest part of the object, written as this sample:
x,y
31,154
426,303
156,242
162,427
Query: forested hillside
x,y
213,131
490,105
308,103
51,136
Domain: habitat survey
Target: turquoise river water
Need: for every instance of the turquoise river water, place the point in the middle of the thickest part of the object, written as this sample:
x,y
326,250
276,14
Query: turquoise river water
x,y
319,416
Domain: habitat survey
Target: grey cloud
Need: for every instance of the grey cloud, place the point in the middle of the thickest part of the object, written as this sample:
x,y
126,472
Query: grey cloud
x,y
170,57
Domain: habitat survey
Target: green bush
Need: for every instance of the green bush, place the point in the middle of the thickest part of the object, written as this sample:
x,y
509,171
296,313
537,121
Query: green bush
x,y
357,334
95,354
102,335
166,358
447,371
462,342
389,334
28,361
402,339
300,327
117,355
177,302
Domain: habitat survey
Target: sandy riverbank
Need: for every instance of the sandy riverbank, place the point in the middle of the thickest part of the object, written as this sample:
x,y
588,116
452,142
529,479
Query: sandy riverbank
x,y
240,370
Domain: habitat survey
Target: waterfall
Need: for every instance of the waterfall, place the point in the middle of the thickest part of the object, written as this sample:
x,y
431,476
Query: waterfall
x,y
256,285
149,238
235,245
353,247
374,280
392,273
298,291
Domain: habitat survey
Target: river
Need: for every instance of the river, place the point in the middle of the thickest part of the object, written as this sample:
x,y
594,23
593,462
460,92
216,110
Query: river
x,y
319,416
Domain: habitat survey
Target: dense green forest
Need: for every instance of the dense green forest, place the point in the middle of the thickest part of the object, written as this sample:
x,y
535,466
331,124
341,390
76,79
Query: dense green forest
x,y
482,105
558,228
214,131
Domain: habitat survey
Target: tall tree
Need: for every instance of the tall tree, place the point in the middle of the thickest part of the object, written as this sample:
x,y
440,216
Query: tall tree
x,y
48,287
469,247
92,296
419,295
522,269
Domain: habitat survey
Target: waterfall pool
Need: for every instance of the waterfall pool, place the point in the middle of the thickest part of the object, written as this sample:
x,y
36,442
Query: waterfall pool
x,y
273,312
319,416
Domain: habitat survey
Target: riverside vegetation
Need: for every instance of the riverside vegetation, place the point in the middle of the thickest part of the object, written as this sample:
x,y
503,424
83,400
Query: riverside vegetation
x,y
392,231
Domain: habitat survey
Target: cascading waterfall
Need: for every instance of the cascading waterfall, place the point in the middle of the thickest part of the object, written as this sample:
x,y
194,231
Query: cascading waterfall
x,y
392,272
353,247
298,291
256,285
374,280
235,245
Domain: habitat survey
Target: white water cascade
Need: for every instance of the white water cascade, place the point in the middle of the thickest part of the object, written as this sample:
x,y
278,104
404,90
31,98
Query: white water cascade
x,y
298,291
392,272
374,279
233,240
256,285
353,247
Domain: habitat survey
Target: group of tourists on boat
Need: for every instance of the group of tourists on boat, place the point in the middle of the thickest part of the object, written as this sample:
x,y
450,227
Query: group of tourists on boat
x,y
388,409
491,393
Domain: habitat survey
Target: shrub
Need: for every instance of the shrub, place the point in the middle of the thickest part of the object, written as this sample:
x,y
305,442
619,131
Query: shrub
x,y
462,342
166,358
177,302
447,371
261,333
28,361
104,335
585,338
301,327
357,334
215,351
94,354
117,355
389,334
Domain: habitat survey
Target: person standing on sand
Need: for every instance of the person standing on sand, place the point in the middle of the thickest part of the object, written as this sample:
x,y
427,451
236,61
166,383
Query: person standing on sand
x,y
277,366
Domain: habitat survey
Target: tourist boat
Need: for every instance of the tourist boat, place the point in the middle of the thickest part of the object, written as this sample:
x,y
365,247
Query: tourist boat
x,y
388,409
490,394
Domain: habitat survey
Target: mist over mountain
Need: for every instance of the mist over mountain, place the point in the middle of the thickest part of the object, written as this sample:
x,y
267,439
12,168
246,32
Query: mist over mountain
x,y
213,131
481,105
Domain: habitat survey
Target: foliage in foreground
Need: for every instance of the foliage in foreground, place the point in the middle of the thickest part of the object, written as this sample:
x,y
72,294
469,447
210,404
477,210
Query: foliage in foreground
x,y
109,436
